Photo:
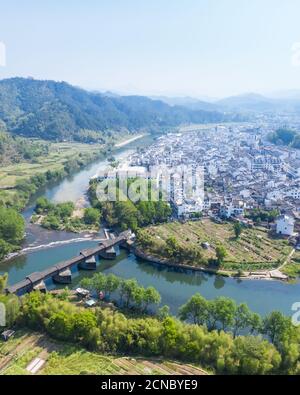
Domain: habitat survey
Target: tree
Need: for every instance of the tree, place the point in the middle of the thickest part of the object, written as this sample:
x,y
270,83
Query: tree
x,y
91,216
172,247
112,283
42,204
244,318
5,248
3,282
61,325
87,283
127,290
163,312
195,310
221,254
12,226
150,296
65,210
255,356
169,336
237,227
51,222
12,308
223,311
99,282
276,326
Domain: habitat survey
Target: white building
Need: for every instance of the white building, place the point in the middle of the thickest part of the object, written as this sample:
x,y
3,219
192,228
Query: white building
x,y
231,209
285,225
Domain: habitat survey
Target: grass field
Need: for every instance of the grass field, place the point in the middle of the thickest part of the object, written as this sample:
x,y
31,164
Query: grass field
x,y
254,249
62,359
59,153
292,269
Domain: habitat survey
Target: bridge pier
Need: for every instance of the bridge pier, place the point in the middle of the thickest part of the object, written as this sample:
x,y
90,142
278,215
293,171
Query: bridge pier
x,y
64,277
88,264
127,245
109,253
85,261
41,286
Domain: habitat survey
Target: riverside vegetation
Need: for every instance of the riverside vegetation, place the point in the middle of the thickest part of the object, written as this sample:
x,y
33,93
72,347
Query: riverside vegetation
x,y
207,333
19,181
62,216
128,214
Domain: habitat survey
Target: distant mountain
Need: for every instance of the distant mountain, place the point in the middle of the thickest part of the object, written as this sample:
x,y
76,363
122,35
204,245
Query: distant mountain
x,y
57,110
250,102
255,103
289,95
188,102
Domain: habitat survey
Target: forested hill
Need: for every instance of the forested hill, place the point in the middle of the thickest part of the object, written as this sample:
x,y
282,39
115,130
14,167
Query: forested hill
x,y
56,111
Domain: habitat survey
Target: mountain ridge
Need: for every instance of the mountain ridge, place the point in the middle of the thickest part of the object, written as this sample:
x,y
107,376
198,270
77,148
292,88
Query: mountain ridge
x,y
57,110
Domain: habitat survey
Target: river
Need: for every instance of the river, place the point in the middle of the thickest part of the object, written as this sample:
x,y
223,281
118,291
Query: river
x,y
174,286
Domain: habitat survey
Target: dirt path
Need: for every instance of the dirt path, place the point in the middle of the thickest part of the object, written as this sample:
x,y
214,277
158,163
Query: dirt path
x,y
288,258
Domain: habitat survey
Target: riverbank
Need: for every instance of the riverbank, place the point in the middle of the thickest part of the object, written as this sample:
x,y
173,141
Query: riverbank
x,y
256,253
131,140
271,275
19,182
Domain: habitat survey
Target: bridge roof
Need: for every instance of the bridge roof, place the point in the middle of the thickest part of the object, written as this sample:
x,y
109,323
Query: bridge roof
x,y
34,278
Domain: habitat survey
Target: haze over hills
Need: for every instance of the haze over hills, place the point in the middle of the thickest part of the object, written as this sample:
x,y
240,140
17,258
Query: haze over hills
x,y
286,101
57,110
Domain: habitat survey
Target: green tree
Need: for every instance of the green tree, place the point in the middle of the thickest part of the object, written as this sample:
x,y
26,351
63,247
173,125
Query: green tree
x,y
244,318
276,326
12,226
65,210
150,296
5,248
3,282
163,312
127,290
51,222
195,310
42,205
223,310
112,283
91,216
99,282
237,227
12,308
255,356
220,254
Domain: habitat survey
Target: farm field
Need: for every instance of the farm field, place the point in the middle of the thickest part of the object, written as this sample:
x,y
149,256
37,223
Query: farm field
x,y
60,359
255,247
292,269
59,154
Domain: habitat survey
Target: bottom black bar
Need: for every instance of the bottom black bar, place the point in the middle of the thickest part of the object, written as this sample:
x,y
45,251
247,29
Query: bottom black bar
x,y
134,384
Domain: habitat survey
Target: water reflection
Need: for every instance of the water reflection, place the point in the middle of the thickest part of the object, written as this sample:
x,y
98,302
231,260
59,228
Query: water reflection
x,y
219,282
18,263
170,274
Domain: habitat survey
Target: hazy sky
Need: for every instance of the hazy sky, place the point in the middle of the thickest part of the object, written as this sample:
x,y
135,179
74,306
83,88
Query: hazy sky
x,y
172,47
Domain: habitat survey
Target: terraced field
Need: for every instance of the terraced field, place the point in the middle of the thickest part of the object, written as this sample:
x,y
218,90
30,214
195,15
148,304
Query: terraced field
x,y
255,246
61,359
